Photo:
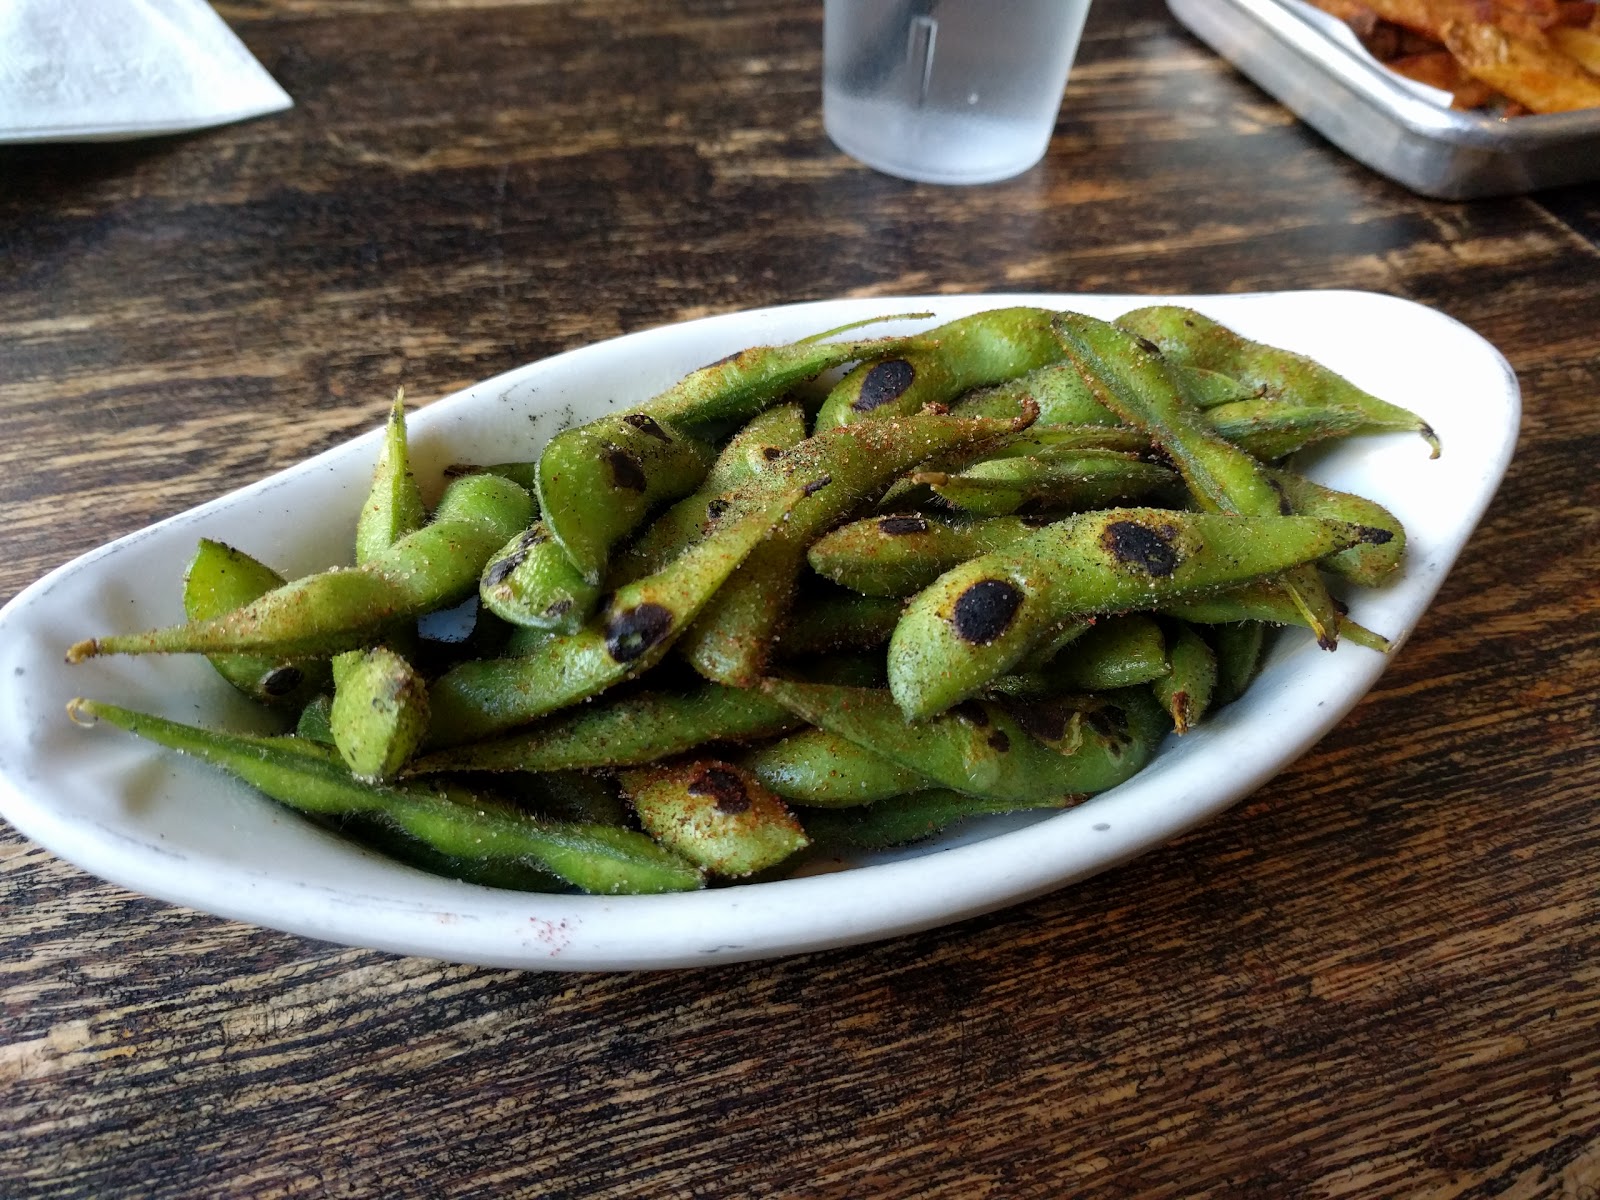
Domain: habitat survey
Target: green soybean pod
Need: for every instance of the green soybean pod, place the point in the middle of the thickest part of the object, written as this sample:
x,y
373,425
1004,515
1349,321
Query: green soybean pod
x,y
823,769
394,505
715,815
531,582
1191,339
625,732
1187,689
1006,753
433,568
978,620
1082,479
1239,646
1271,429
1368,563
984,348
1115,652
595,858
379,714
220,579
828,621
1261,601
905,820
900,554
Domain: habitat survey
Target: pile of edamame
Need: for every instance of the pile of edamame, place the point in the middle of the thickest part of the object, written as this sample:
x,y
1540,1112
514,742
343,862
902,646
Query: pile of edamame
x,y
761,617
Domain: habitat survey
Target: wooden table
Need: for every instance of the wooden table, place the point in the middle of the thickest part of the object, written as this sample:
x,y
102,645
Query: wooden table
x,y
1376,977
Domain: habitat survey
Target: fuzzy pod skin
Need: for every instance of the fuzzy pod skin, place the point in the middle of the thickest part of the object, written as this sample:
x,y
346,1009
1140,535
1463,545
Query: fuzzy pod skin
x,y
1115,652
901,553
627,732
325,614
904,820
394,506
1013,753
1131,378
1187,689
220,579
532,583
1367,564
837,621
732,641
1189,339
478,699
1262,601
754,450
379,715
973,351
822,769
598,481
715,815
452,822
981,618
1063,482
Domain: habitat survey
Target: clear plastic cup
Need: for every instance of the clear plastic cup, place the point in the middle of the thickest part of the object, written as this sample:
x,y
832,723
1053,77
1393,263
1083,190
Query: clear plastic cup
x,y
947,91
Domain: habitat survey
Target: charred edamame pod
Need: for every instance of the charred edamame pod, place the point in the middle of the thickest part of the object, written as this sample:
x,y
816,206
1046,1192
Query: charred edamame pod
x,y
714,814
433,568
626,732
1064,482
1187,688
982,617
827,770
220,579
596,858
531,582
901,553
1191,339
379,714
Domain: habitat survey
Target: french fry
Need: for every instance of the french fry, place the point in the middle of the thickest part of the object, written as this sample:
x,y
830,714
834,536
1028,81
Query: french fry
x,y
1533,73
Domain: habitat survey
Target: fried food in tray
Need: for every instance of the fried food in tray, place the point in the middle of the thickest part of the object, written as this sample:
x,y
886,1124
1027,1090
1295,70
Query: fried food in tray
x,y
1511,57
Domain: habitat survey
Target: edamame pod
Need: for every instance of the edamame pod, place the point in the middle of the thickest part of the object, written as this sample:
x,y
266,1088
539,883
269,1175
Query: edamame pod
x,y
379,714
827,770
839,620
1186,690
985,348
531,582
595,858
1064,482
732,640
903,820
627,732
900,554
1238,646
1115,652
714,814
1260,600
433,568
1132,381
394,504
1005,753
1368,563
220,579
1190,339
979,619
476,699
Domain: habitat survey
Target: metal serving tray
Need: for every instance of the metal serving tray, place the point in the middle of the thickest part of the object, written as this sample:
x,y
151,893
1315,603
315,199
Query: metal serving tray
x,y
1377,117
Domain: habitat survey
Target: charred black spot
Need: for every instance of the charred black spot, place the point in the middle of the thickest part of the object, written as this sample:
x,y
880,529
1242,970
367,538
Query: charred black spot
x,y
1110,723
984,610
771,452
1131,542
816,485
1148,346
1373,536
999,742
902,525
626,469
647,425
884,382
633,631
501,568
280,681
728,789
972,713
1285,509
559,609
1046,721
716,508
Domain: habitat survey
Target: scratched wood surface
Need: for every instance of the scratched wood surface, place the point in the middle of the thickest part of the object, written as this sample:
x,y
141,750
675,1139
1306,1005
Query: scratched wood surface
x,y
1378,976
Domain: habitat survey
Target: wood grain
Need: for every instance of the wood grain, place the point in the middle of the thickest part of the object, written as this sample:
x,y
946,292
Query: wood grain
x,y
1376,977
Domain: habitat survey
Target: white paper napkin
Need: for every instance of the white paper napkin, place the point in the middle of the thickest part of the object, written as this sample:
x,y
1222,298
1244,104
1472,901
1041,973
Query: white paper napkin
x,y
92,70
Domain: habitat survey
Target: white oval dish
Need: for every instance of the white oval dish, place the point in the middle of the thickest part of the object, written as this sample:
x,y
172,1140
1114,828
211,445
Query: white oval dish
x,y
177,830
